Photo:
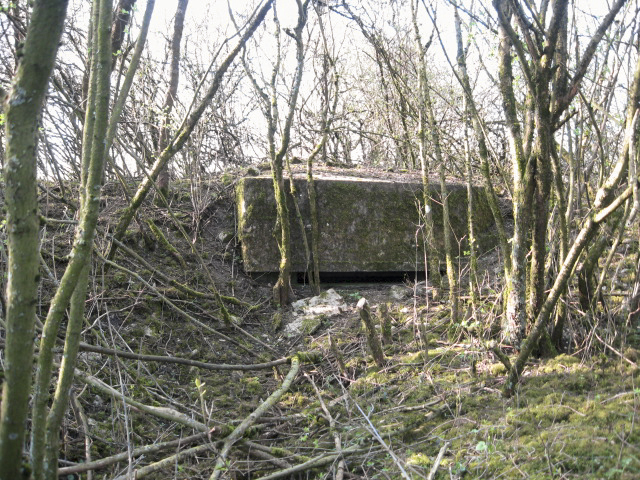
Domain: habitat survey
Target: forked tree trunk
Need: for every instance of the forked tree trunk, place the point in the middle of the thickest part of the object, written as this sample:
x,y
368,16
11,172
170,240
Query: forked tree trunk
x,y
604,205
532,171
282,291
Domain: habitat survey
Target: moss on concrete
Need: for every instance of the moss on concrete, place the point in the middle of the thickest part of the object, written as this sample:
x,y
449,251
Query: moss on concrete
x,y
366,225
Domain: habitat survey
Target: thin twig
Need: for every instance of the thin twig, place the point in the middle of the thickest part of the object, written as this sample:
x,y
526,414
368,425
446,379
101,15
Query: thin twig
x,y
318,461
436,464
173,305
377,436
182,361
630,362
165,462
332,427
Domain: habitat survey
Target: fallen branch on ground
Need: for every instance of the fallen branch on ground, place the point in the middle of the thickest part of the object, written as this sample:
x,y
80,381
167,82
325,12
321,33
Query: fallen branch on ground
x,y
147,449
239,432
85,347
165,462
324,459
174,306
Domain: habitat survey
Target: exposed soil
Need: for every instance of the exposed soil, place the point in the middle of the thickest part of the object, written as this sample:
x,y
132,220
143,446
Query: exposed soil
x,y
440,392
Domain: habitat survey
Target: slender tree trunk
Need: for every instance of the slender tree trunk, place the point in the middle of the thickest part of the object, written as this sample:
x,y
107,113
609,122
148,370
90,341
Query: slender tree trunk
x,y
431,254
22,111
448,247
282,289
542,189
483,151
167,107
46,424
562,311
473,257
121,20
515,314
328,114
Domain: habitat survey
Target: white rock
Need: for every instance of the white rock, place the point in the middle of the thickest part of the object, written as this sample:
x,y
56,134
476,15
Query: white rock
x,y
399,292
328,303
309,313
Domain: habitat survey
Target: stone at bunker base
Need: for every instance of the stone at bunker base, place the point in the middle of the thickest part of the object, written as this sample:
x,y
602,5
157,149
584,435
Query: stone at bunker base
x,y
309,313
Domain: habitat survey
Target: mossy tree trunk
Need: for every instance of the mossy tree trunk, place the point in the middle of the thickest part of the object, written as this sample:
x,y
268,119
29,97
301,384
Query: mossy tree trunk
x,y
562,312
541,50
72,288
483,151
604,205
515,311
22,110
282,291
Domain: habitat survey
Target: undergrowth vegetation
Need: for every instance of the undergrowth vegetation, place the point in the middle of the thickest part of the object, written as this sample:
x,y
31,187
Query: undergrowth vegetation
x,y
434,410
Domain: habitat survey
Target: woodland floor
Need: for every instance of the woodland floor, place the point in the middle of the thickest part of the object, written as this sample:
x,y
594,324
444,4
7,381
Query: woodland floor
x,y
574,416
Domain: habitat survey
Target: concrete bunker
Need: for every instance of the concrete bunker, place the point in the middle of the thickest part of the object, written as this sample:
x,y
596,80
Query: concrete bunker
x,y
370,228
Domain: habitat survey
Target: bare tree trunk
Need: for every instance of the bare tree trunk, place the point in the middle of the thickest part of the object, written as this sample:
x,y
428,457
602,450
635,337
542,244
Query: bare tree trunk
x,y
483,151
473,260
431,254
282,289
426,109
121,20
22,109
46,422
328,114
167,107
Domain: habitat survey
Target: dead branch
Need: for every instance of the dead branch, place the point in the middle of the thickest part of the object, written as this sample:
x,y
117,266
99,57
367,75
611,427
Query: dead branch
x,y
239,432
182,361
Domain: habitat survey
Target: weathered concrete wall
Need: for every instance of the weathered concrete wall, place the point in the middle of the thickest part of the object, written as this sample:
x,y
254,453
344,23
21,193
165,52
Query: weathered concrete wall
x,y
366,225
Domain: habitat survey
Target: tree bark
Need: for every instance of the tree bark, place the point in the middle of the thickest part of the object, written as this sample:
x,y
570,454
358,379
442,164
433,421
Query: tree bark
x,y
372,335
604,205
167,107
22,109
282,289
121,19
46,424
